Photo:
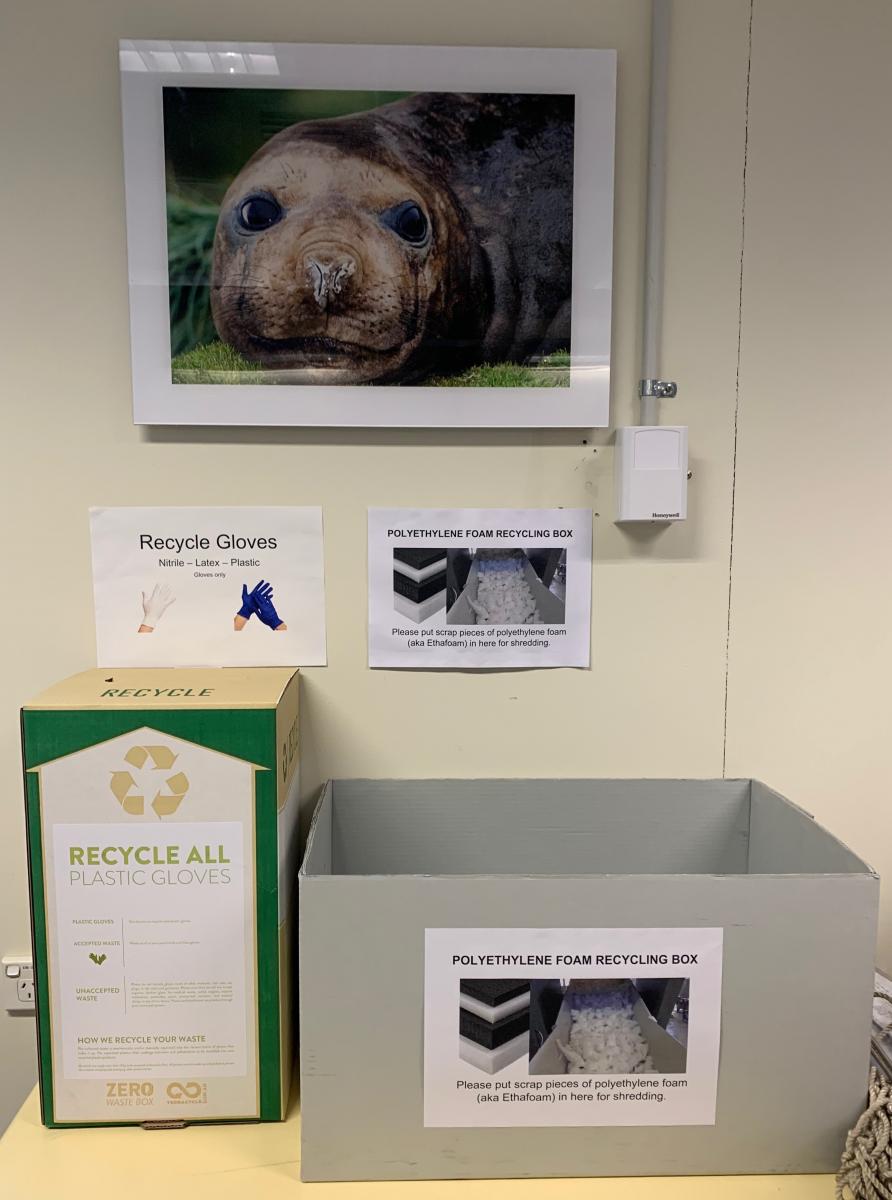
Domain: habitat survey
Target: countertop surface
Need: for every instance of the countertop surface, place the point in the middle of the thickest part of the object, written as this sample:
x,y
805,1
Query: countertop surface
x,y
229,1161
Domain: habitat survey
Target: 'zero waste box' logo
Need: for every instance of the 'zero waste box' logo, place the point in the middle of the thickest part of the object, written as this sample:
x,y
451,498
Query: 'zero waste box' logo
x,y
151,765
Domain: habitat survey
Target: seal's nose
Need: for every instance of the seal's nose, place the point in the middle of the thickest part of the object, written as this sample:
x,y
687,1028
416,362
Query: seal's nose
x,y
328,278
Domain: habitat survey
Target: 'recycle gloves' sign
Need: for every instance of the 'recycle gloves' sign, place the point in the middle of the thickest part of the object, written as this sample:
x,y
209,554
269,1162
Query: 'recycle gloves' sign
x,y
208,586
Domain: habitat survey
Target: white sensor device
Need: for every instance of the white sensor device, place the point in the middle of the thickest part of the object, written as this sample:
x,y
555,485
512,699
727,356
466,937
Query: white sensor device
x,y
651,473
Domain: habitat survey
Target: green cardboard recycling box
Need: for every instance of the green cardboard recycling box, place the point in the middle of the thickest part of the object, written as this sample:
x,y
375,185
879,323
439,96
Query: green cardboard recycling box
x,y
162,831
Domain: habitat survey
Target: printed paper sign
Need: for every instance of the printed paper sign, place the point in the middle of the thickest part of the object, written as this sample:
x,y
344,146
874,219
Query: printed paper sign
x,y
151,903
474,587
211,587
571,1026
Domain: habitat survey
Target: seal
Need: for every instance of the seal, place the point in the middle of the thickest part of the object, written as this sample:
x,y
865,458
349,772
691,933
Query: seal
x,y
411,240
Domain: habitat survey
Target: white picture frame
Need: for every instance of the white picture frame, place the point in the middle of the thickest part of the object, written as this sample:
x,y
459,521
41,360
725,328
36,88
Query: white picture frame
x,y
580,400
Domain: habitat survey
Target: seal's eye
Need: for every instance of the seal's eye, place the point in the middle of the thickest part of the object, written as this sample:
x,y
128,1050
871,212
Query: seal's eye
x,y
408,221
258,212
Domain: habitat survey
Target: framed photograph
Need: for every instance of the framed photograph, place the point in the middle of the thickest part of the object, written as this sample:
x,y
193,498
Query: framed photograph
x,y
369,235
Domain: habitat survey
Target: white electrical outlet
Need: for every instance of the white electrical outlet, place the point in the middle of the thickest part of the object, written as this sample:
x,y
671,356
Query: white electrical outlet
x,y
18,981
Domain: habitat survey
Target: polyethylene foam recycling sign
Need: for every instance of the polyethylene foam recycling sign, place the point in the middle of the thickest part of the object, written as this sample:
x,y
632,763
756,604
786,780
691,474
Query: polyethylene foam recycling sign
x,y
150,764
536,1027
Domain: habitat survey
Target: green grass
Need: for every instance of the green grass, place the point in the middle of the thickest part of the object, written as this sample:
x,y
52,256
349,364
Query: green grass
x,y
216,362
552,371
213,363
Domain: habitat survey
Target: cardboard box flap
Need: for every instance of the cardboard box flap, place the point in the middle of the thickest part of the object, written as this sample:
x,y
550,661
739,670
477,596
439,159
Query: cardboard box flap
x,y
168,687
566,827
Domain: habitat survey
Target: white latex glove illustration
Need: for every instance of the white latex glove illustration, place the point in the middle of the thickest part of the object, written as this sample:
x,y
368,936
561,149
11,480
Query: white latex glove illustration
x,y
154,606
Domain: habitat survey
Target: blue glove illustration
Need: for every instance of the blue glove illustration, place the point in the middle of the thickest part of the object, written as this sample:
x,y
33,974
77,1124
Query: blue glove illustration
x,y
262,596
259,602
247,607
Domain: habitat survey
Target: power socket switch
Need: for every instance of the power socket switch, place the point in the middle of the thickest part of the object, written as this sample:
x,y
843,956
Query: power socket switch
x,y
651,471
18,983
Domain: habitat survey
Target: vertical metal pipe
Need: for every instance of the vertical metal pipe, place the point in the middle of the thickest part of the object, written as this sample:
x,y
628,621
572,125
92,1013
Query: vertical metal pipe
x,y
661,15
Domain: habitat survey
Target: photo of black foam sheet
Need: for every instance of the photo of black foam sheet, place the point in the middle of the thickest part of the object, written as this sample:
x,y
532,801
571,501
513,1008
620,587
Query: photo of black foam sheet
x,y
493,1022
419,581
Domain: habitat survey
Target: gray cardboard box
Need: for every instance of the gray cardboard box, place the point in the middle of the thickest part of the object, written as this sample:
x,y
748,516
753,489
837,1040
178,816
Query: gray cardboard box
x,y
387,859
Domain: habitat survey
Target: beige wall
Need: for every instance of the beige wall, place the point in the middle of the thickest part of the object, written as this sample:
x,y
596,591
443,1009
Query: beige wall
x,y
805,663
811,649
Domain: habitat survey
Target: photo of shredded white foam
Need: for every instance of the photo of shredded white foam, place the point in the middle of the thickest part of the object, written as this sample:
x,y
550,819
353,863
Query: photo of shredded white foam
x,y
608,1026
507,585
605,1035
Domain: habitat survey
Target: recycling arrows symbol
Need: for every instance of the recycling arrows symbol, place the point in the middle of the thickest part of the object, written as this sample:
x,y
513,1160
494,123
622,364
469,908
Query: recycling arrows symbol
x,y
170,793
